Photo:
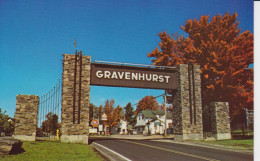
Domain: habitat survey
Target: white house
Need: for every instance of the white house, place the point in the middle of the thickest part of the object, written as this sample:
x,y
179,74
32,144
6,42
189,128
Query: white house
x,y
151,121
121,128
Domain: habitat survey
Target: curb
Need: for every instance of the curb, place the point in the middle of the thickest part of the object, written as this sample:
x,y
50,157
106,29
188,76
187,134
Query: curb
x,y
109,154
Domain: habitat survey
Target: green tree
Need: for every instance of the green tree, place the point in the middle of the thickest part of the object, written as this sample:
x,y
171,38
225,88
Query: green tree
x,y
100,112
50,125
93,112
6,123
129,114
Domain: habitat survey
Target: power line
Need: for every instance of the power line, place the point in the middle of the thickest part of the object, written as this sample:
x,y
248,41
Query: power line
x,y
151,99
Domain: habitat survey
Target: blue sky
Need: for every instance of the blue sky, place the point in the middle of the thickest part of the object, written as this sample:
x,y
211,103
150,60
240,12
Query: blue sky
x,y
35,34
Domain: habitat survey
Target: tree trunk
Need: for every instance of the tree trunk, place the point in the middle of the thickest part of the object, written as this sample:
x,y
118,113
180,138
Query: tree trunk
x,y
243,129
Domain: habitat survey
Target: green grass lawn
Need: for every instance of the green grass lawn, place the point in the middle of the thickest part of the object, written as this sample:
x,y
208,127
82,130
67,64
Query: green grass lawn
x,y
43,150
237,144
240,132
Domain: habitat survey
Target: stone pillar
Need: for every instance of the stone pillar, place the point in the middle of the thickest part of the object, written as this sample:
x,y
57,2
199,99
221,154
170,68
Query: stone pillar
x,y
220,120
75,132
187,104
26,117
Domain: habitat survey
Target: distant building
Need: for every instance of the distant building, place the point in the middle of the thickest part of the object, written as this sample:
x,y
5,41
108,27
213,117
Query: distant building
x,y
152,122
121,128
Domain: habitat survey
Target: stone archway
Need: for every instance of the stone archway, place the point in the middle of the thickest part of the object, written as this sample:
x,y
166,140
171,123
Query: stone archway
x,y
77,77
75,105
187,111
188,107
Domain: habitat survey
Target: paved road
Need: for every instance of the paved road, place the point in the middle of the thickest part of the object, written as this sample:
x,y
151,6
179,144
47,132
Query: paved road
x,y
146,150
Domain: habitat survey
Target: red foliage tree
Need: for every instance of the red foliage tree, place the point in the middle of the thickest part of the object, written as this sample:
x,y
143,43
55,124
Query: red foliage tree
x,y
223,54
147,103
113,114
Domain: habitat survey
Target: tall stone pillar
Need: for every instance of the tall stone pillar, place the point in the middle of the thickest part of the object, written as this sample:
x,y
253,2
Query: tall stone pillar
x,y
75,113
26,117
220,120
187,104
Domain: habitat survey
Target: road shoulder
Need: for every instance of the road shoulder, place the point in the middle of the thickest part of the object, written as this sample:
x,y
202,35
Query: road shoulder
x,y
219,147
109,154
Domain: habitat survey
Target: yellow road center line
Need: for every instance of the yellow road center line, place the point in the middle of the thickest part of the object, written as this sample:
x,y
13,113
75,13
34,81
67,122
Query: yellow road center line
x,y
173,151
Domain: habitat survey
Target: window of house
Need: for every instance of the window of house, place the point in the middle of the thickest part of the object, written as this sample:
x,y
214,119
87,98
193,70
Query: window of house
x,y
169,125
157,123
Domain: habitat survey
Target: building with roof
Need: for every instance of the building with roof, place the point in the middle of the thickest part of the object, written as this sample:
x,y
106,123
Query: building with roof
x,y
121,128
152,122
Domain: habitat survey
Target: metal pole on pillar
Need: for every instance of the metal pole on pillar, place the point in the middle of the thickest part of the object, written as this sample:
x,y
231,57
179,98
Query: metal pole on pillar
x,y
74,87
80,71
165,116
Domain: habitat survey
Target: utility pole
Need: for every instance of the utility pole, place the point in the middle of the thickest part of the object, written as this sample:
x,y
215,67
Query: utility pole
x,y
247,124
74,43
165,116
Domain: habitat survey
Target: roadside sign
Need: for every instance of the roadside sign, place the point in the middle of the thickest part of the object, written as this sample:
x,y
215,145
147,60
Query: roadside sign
x,y
100,128
131,76
95,123
104,117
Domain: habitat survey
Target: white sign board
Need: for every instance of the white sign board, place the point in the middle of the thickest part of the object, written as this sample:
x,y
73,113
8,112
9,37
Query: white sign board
x,y
100,128
93,130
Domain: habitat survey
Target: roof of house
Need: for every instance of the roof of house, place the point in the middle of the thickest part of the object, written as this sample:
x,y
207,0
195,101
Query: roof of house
x,y
152,114
148,114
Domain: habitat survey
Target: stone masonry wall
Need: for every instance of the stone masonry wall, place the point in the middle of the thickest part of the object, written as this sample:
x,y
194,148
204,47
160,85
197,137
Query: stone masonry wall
x,y
187,104
220,120
26,115
68,127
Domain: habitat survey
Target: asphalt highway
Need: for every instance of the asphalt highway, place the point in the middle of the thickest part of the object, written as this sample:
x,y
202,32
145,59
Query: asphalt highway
x,y
146,150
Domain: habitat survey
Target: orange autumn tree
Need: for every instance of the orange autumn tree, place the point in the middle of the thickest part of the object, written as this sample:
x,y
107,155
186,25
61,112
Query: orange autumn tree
x,y
146,103
116,115
113,114
223,53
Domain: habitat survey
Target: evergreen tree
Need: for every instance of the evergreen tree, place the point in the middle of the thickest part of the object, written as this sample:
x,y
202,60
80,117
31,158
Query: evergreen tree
x,y
100,112
50,125
129,114
93,112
